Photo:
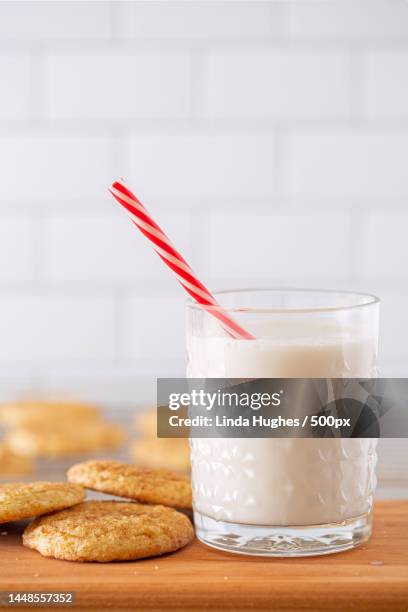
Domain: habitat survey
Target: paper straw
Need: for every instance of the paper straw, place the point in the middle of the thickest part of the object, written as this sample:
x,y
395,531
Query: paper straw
x,y
173,259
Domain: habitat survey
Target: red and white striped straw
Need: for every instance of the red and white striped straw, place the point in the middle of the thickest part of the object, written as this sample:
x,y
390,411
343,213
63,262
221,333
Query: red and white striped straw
x,y
172,258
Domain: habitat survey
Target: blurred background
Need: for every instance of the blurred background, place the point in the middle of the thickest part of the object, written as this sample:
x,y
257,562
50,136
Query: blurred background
x,y
269,139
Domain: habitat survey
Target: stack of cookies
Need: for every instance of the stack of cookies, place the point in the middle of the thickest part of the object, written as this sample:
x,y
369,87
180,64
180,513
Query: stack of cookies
x,y
153,452
72,529
56,429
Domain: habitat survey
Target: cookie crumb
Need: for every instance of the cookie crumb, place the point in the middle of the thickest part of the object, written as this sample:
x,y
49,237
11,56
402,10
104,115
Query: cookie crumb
x,y
376,563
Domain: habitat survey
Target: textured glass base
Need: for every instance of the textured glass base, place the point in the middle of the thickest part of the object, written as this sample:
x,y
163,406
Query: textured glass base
x,y
265,541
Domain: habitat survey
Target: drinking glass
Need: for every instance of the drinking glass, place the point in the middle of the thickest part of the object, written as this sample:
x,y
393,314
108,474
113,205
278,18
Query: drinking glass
x,y
295,496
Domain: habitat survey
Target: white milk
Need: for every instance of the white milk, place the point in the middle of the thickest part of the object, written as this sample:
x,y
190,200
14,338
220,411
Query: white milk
x,y
284,482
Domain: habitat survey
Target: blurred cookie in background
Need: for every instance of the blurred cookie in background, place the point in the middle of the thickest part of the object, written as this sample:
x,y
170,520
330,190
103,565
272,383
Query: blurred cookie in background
x,y
153,452
28,413
169,453
60,439
13,465
145,423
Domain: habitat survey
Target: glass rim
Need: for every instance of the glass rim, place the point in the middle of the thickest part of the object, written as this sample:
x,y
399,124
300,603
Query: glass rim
x,y
371,300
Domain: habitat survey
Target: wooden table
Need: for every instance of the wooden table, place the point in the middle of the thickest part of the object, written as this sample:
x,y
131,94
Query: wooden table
x,y
371,578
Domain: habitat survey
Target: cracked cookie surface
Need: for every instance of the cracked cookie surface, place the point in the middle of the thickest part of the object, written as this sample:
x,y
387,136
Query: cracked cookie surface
x,y
19,500
106,531
151,486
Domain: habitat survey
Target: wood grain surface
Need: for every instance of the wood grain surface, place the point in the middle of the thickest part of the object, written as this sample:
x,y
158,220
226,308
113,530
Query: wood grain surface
x,y
371,578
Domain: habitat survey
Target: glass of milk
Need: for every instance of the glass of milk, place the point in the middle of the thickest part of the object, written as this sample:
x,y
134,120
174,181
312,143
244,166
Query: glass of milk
x,y
284,497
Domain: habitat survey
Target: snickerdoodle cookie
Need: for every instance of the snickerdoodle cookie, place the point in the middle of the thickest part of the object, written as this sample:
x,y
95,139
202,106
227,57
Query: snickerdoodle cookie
x,y
109,531
12,464
20,500
26,413
171,453
133,482
61,439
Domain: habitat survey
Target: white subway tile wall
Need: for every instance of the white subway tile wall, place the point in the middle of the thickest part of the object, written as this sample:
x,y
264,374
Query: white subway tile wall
x,y
354,19
385,89
118,85
205,163
44,327
54,21
77,248
201,20
281,246
347,162
15,76
37,167
279,83
269,138
16,244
